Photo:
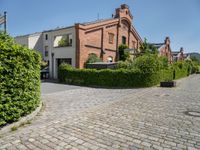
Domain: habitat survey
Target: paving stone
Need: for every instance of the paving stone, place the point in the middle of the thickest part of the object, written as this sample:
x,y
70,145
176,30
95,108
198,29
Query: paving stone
x,y
95,118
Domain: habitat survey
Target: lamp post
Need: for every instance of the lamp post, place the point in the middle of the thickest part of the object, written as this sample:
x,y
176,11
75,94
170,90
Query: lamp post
x,y
5,21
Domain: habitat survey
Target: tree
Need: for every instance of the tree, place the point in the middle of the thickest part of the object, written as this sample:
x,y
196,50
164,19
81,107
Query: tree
x,y
122,54
147,48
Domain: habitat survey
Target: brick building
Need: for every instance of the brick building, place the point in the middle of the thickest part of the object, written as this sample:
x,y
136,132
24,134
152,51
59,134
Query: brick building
x,y
179,55
165,49
101,37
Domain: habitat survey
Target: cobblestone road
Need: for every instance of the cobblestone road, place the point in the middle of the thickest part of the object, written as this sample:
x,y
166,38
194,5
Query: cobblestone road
x,y
89,118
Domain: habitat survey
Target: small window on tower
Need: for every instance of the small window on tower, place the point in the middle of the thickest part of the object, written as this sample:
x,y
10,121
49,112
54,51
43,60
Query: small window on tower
x,y
123,40
46,36
111,38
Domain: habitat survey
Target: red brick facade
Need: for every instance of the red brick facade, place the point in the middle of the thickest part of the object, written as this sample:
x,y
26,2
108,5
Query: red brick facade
x,y
104,37
165,50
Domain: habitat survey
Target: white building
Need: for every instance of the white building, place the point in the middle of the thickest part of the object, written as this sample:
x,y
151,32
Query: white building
x,y
32,41
52,50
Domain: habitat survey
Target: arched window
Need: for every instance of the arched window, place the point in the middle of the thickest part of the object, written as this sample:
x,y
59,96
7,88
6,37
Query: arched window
x,y
110,59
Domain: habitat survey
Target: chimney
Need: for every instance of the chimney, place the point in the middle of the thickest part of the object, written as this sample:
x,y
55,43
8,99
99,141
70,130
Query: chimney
x,y
167,40
123,11
181,50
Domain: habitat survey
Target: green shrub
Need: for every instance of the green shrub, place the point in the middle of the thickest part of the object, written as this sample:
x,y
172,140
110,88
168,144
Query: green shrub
x,y
148,64
92,58
145,71
108,78
125,65
182,69
19,80
123,56
147,48
43,64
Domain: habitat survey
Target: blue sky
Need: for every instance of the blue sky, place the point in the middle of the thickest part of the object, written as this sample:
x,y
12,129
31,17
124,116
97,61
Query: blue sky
x,y
153,19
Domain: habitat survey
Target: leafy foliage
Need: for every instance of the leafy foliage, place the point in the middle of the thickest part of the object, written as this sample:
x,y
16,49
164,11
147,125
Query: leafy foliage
x,y
147,48
144,71
123,56
43,64
92,58
125,64
108,78
63,42
148,64
19,80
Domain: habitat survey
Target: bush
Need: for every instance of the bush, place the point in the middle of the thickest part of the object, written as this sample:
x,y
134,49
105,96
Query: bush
x,y
108,78
148,64
63,66
19,80
145,71
182,69
125,65
92,58
123,56
147,48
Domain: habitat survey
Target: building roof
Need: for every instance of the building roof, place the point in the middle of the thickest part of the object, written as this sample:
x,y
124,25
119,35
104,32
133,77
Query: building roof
x,y
58,28
36,33
157,45
97,21
175,53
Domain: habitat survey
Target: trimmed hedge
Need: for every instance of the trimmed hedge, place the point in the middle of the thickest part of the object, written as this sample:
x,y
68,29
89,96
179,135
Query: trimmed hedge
x,y
108,78
120,77
19,80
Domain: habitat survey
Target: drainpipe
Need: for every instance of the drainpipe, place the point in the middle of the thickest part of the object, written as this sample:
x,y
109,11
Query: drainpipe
x,y
52,55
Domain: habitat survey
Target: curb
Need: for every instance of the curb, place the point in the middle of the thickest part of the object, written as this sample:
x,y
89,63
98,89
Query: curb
x,y
22,120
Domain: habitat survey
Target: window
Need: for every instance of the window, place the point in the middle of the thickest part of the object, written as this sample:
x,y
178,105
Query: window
x,y
123,40
63,40
46,51
110,59
111,38
46,36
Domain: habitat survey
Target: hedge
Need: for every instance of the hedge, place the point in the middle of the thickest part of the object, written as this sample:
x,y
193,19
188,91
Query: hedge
x,y
119,77
19,80
181,69
108,78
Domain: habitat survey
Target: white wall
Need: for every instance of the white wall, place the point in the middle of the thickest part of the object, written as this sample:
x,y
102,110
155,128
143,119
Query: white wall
x,y
59,52
35,42
32,41
23,40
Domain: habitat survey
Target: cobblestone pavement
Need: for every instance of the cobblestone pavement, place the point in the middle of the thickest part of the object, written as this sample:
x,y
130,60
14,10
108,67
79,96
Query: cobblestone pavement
x,y
89,118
